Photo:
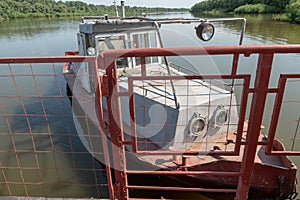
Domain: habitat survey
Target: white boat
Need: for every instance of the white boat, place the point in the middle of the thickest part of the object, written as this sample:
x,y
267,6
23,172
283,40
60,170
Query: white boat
x,y
164,109
188,111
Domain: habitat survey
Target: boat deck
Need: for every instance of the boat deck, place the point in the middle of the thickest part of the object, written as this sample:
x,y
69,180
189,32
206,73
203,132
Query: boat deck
x,y
221,142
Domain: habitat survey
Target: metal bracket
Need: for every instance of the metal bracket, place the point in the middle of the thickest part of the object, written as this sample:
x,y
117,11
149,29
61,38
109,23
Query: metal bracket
x,y
104,85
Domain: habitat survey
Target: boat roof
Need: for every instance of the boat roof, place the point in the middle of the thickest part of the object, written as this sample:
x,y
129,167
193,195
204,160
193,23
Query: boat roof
x,y
95,25
105,24
98,24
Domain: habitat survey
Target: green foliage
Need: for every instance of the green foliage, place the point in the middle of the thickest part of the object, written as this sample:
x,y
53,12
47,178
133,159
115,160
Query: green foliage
x,y
259,6
293,11
255,8
280,17
209,5
52,8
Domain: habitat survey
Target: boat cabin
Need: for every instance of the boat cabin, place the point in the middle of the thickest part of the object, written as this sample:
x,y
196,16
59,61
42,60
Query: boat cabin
x,y
99,34
164,112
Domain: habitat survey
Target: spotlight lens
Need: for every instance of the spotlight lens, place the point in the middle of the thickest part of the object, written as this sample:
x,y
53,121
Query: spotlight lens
x,y
205,31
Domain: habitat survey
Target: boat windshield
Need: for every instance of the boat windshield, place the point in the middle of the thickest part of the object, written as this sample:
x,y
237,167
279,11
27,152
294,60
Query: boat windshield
x,y
129,40
113,42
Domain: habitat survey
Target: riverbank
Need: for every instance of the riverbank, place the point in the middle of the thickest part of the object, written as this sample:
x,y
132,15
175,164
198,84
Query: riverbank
x,y
288,11
54,36
12,9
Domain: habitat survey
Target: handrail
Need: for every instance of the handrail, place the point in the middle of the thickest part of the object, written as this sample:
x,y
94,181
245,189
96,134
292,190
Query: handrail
x,y
247,50
260,90
47,59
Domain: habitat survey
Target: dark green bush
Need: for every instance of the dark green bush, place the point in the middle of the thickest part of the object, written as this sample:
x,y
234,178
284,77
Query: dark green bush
x,y
255,8
52,8
293,11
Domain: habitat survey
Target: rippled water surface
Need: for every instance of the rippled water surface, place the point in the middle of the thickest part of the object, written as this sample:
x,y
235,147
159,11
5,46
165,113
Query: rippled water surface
x,y
52,37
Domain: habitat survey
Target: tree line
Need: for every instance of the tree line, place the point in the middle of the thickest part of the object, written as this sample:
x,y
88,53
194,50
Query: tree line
x,y
290,9
51,8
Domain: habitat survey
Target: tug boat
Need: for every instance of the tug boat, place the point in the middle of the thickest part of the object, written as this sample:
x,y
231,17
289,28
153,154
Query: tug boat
x,y
168,115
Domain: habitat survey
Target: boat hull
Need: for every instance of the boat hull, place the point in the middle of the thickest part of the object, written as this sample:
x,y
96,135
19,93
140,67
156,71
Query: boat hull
x,y
270,179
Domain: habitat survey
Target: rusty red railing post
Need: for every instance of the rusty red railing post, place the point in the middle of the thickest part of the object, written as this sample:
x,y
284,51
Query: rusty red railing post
x,y
99,93
116,129
261,84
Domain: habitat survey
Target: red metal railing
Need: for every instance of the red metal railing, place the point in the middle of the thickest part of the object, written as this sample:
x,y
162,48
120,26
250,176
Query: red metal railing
x,y
260,91
40,151
106,87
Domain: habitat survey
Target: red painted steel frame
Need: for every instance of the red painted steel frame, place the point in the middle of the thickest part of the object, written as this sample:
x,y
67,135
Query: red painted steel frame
x,y
245,78
260,91
98,86
256,114
48,59
116,132
108,56
275,116
64,60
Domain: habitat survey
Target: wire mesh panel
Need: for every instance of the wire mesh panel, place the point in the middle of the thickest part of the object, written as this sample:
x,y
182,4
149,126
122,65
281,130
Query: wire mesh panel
x,y
42,153
286,119
162,130
208,114
193,129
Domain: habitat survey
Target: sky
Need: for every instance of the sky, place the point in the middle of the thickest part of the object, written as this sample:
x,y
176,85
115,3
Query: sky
x,y
149,3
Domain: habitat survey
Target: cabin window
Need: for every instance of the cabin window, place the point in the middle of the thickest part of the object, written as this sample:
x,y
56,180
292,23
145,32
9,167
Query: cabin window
x,y
140,39
113,42
145,40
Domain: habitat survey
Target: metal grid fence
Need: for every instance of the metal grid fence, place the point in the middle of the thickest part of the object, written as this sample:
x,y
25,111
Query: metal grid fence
x,y
41,153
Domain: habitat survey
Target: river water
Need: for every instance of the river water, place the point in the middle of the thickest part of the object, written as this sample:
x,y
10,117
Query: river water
x,y
52,37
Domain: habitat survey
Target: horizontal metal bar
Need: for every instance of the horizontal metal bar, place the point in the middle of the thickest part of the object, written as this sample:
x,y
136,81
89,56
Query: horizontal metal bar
x,y
270,90
42,198
290,76
54,168
47,59
192,20
212,173
37,115
51,151
285,153
139,199
206,50
189,153
258,143
181,189
35,97
189,77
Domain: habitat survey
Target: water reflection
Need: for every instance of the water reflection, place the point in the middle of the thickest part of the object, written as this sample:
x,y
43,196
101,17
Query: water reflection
x,y
41,153
54,144
37,37
33,27
263,29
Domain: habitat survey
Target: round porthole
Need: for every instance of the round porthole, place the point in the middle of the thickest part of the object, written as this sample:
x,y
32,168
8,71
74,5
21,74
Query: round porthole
x,y
220,116
197,125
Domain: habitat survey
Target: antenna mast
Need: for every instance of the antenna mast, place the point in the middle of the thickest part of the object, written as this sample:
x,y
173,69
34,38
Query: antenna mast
x,y
123,8
116,8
